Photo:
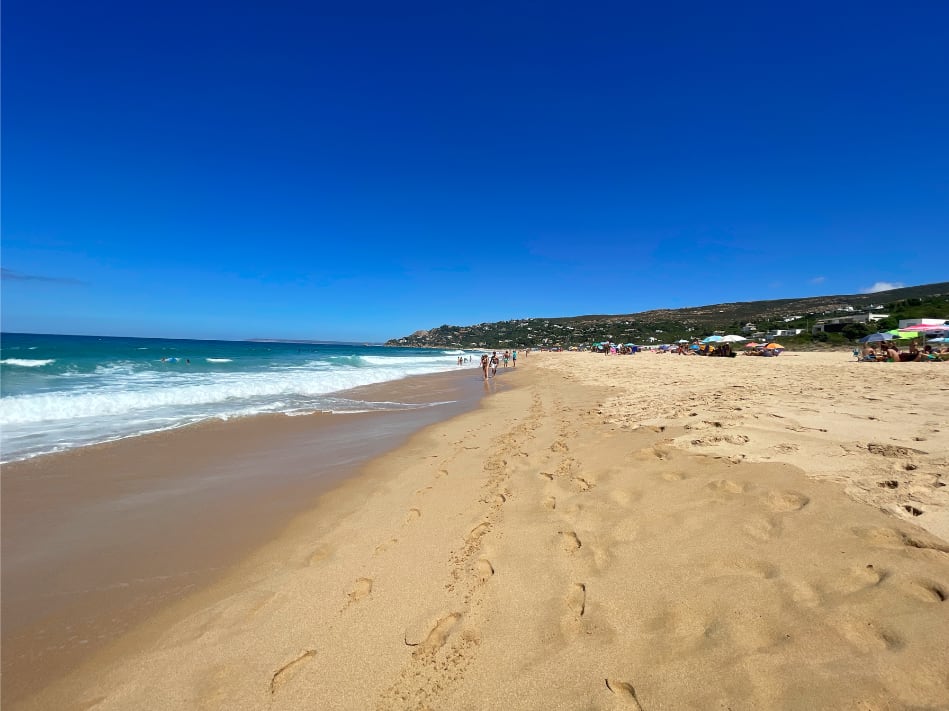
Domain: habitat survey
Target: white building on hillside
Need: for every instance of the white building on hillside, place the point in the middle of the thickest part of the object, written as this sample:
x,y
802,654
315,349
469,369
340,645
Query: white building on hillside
x,y
822,324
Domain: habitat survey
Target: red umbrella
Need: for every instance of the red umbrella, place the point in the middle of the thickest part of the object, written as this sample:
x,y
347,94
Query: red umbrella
x,y
925,327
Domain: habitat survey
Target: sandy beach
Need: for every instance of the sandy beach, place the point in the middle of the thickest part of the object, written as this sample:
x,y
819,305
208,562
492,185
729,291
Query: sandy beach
x,y
644,532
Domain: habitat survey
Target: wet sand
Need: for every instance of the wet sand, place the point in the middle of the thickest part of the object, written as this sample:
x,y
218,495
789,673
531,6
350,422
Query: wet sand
x,y
98,539
648,533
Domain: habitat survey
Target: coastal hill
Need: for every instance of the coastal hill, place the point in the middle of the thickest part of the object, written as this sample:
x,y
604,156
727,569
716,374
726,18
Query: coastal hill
x,y
666,325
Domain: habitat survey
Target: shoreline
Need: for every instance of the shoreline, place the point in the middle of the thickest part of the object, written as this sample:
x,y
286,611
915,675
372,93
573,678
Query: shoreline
x,y
588,539
194,500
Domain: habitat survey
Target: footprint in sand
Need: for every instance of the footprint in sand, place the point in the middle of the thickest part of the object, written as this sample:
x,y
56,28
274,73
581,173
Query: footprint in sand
x,y
762,529
383,547
575,602
582,484
318,555
730,487
360,590
625,695
547,475
559,447
495,465
869,636
550,503
652,453
569,541
412,515
786,501
576,599
927,590
484,569
440,473
858,578
884,537
286,672
437,636
475,534
674,476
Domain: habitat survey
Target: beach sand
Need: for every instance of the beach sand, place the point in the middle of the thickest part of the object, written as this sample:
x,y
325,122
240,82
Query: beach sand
x,y
646,532
97,539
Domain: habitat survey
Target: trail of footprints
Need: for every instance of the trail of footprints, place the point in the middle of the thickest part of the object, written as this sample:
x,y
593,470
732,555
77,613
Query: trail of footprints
x,y
441,656
442,649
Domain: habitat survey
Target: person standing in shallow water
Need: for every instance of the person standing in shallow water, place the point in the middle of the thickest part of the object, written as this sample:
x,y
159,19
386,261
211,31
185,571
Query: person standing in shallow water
x,y
484,365
514,359
495,362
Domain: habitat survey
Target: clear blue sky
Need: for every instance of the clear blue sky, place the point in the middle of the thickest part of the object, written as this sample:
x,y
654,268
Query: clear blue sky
x,y
357,171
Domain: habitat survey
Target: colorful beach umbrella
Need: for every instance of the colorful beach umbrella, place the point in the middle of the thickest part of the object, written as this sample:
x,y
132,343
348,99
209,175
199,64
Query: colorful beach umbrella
x,y
876,338
753,345
925,328
711,339
775,345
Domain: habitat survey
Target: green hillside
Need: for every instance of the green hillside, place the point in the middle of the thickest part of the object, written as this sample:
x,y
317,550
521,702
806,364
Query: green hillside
x,y
667,325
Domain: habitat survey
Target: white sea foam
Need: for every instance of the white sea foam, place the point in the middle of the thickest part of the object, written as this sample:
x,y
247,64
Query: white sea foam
x,y
123,398
27,362
219,360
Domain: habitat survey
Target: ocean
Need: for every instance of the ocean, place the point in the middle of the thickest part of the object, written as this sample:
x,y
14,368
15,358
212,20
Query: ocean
x,y
62,392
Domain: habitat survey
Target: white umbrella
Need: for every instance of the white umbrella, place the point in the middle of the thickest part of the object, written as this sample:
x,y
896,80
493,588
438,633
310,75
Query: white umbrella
x,y
733,339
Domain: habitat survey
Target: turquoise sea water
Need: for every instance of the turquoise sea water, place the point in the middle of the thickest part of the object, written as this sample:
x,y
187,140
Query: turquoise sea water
x,y
61,392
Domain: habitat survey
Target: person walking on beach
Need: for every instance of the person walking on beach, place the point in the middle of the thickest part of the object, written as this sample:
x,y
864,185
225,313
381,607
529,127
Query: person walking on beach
x,y
484,365
494,363
514,358
507,357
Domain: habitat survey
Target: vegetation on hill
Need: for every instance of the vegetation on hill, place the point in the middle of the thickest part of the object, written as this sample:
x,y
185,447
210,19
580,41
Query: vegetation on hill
x,y
669,325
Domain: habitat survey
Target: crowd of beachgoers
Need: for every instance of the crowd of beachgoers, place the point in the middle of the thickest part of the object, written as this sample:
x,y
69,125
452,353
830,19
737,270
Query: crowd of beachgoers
x,y
890,352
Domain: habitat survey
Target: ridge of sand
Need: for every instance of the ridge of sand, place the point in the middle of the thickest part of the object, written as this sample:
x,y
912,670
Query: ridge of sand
x,y
549,552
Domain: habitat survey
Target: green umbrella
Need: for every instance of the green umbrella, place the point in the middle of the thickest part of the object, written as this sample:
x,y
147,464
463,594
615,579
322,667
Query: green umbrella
x,y
903,334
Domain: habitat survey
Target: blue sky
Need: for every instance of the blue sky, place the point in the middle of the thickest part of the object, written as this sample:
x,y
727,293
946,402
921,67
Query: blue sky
x,y
357,171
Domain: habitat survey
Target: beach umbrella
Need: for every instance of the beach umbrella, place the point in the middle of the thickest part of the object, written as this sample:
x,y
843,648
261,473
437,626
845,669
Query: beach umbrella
x,y
942,339
733,339
925,328
876,338
897,334
775,345
682,341
752,345
712,339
